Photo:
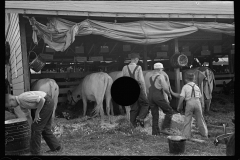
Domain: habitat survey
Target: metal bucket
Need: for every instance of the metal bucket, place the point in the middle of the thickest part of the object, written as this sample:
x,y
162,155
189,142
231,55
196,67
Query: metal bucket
x,y
38,63
176,144
17,137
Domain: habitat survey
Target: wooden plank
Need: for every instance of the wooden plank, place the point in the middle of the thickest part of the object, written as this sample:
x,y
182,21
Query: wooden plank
x,y
18,85
19,72
60,75
16,37
221,81
19,64
18,79
68,83
65,90
12,25
14,32
120,7
17,92
224,75
19,57
25,62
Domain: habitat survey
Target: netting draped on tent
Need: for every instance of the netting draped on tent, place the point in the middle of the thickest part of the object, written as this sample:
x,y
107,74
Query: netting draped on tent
x,y
59,34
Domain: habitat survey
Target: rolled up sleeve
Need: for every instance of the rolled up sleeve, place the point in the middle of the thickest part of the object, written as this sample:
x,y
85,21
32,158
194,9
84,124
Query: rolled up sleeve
x,y
141,79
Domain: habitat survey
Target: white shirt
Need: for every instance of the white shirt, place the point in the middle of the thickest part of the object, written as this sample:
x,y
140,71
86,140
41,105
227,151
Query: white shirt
x,y
30,99
138,74
187,91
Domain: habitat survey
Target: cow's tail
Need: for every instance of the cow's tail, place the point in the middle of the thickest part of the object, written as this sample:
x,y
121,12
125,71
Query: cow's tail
x,y
97,108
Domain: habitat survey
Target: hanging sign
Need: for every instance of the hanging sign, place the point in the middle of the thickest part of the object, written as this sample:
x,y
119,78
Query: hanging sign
x,y
80,59
98,58
161,54
46,56
205,53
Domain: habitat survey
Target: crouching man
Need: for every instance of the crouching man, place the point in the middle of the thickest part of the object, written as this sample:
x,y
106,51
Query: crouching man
x,y
42,123
192,94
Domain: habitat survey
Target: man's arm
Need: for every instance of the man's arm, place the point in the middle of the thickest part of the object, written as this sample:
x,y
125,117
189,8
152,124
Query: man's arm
x,y
164,83
179,108
39,108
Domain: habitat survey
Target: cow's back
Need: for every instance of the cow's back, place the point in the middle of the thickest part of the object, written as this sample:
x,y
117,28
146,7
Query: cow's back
x,y
46,85
94,85
115,75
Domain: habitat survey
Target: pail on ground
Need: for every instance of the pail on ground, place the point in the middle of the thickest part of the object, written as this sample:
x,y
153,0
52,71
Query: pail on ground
x,y
17,137
176,144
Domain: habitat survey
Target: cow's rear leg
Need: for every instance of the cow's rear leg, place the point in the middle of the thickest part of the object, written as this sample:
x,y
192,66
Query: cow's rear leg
x,y
207,105
111,105
128,108
100,105
84,106
121,110
108,105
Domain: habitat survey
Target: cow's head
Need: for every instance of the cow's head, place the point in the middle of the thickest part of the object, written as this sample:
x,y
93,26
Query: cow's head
x,y
72,99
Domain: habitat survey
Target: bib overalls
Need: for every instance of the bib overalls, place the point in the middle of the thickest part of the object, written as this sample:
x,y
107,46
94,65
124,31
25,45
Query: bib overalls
x,y
193,106
156,99
139,109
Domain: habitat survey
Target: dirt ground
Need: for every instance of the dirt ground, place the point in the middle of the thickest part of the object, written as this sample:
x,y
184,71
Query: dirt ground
x,y
86,137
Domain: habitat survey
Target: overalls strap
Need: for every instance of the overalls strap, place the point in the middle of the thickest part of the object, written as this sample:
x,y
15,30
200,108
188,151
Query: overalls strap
x,y
130,73
193,91
153,81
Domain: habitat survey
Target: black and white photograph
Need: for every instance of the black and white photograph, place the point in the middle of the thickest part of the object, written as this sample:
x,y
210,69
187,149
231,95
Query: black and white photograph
x,y
119,78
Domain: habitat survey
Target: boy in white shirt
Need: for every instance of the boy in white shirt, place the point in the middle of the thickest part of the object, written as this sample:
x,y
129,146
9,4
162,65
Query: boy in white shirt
x,y
192,94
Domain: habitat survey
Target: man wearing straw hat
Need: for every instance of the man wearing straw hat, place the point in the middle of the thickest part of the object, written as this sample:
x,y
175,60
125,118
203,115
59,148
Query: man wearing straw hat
x,y
42,124
157,100
191,93
137,113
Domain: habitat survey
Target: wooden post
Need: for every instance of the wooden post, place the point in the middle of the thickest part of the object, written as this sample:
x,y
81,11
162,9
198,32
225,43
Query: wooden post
x,y
145,57
177,73
26,70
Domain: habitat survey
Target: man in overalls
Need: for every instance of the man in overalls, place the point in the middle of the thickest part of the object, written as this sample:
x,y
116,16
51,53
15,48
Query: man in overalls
x,y
156,100
191,93
42,124
137,113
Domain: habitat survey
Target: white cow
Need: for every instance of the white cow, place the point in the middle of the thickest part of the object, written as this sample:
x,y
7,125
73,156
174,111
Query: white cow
x,y
94,87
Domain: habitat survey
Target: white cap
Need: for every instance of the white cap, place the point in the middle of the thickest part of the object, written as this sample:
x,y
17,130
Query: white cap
x,y
158,65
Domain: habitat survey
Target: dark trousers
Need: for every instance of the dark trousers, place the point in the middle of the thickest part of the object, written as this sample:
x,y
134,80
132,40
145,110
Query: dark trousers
x,y
139,109
155,103
43,128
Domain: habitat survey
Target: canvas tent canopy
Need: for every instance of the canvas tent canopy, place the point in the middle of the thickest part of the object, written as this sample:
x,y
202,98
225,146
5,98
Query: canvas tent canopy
x,y
59,33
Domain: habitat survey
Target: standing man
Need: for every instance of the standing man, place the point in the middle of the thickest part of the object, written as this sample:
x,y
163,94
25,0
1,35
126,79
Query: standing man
x,y
42,123
156,98
191,93
137,113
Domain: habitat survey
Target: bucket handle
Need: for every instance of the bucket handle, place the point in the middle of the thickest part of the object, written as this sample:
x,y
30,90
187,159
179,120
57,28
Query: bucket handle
x,y
35,55
21,127
7,140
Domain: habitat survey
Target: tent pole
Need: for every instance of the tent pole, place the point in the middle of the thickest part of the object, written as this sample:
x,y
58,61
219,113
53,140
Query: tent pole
x,y
145,57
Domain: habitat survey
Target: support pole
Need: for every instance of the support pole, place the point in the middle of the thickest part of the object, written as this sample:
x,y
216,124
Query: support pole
x,y
145,58
26,70
177,73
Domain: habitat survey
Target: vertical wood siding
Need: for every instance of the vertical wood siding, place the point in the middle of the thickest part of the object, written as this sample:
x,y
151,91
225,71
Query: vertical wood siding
x,y
16,63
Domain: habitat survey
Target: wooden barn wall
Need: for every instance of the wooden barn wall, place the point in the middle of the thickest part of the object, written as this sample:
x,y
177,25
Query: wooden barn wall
x,y
16,63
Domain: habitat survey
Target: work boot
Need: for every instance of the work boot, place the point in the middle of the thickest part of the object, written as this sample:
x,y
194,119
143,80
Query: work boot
x,y
140,122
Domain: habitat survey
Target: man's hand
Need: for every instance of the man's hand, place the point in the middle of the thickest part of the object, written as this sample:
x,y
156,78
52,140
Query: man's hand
x,y
37,118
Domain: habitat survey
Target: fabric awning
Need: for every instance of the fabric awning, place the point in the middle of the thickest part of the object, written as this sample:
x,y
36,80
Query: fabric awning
x,y
59,33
